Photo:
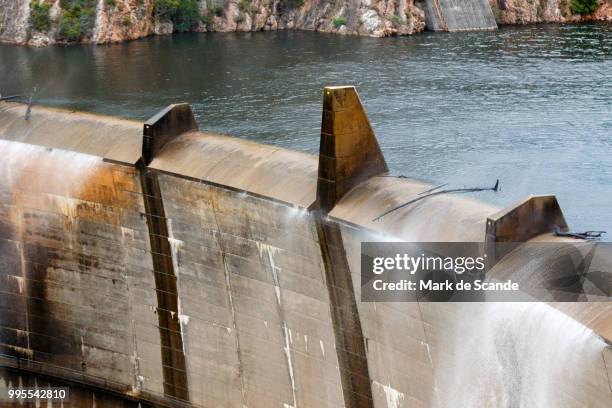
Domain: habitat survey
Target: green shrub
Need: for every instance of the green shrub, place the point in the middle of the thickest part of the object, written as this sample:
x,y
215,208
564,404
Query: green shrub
x,y
292,3
243,6
78,18
218,11
39,16
166,8
184,14
127,20
339,21
584,6
395,20
409,18
206,19
239,18
187,16
110,3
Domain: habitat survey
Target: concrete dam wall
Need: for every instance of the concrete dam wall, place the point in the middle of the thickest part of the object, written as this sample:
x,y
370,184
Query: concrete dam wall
x,y
151,264
459,15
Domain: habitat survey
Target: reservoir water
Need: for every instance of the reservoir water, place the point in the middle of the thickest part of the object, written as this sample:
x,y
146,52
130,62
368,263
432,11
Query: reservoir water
x,y
529,105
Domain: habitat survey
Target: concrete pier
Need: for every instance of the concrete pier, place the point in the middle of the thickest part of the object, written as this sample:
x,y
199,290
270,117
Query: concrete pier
x,y
181,268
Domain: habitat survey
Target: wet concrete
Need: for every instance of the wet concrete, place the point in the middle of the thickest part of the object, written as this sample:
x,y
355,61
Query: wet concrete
x,y
108,137
173,358
349,152
204,277
82,295
350,341
279,174
79,395
459,15
253,299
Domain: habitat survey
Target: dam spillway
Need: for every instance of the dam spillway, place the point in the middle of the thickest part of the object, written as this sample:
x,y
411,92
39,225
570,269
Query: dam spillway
x,y
153,263
459,15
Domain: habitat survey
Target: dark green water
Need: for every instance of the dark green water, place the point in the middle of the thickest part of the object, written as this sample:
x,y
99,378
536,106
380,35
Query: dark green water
x,y
531,106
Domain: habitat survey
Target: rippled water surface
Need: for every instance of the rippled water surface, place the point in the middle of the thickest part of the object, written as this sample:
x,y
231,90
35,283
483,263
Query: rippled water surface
x,y
531,106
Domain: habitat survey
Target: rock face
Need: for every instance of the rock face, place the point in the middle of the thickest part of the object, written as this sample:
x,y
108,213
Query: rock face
x,y
127,20
120,20
362,17
105,21
13,20
546,11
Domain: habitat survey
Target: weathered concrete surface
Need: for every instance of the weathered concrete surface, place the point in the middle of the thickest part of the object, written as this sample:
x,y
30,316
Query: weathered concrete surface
x,y
351,344
530,217
592,315
559,272
459,15
349,152
441,218
217,279
79,396
170,334
399,363
280,174
253,299
108,137
526,219
77,281
165,126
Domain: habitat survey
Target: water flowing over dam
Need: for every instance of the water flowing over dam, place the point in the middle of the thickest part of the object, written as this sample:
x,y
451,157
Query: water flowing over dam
x,y
459,15
152,264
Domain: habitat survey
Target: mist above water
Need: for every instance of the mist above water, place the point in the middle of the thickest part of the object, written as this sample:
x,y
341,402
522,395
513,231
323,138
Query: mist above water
x,y
531,105
22,164
518,355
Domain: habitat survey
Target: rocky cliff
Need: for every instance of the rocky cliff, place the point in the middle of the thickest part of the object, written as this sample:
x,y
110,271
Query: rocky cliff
x,y
43,22
14,20
551,11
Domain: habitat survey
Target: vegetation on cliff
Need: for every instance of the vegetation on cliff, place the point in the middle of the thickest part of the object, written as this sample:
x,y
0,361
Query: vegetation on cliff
x,y
77,19
551,11
184,14
292,3
339,21
395,20
119,20
39,15
239,18
584,6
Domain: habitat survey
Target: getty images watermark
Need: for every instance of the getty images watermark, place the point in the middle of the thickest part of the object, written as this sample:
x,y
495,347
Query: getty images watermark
x,y
475,272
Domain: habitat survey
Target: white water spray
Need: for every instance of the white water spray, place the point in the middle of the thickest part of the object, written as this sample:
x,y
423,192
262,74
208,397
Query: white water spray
x,y
517,355
269,251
